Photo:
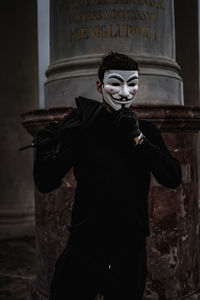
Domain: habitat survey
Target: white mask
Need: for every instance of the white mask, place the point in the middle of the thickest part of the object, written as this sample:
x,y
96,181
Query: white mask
x,y
119,87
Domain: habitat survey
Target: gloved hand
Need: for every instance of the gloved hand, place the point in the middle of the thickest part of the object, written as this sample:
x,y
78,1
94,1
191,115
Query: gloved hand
x,y
48,137
127,123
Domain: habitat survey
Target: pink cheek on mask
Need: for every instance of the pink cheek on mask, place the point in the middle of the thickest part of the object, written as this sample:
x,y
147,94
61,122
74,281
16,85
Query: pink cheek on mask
x,y
111,90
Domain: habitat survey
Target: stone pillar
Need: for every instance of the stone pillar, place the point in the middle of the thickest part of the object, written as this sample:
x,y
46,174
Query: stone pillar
x,y
187,48
19,93
188,57
84,30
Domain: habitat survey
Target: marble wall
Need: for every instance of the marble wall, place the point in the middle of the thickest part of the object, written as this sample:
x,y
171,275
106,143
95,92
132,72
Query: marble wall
x,y
172,247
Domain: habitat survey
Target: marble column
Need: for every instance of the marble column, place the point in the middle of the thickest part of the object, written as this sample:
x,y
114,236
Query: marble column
x,y
19,93
173,246
84,30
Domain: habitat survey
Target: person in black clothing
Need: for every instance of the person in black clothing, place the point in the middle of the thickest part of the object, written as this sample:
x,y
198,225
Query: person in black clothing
x,y
113,154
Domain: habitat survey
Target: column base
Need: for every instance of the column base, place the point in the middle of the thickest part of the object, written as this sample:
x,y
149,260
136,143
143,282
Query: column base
x,y
17,222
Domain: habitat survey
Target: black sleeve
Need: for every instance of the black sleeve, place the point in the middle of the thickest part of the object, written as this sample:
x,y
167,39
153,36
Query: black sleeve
x,y
51,164
48,173
165,168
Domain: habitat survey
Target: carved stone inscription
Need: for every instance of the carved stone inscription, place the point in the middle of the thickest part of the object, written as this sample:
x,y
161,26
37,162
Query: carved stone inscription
x,y
94,19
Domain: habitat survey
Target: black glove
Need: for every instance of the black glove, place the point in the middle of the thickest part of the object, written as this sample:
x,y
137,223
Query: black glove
x,y
48,137
127,123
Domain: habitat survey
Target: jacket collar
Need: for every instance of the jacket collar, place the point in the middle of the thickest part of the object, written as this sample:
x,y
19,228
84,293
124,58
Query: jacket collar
x,y
87,107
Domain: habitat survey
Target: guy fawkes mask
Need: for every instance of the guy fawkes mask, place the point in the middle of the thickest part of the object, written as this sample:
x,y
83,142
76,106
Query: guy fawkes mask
x,y
119,87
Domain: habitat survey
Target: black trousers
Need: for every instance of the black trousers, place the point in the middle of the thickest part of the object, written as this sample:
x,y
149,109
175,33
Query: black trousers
x,y
117,274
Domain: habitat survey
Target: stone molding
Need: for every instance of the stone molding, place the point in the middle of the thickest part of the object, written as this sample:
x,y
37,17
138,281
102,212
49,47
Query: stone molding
x,y
16,212
166,117
84,66
16,221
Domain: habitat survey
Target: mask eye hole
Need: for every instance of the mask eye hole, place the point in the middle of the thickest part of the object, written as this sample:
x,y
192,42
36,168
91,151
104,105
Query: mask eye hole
x,y
132,84
115,84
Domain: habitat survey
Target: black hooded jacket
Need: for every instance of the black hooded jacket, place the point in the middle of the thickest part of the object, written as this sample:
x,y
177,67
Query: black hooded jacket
x,y
113,177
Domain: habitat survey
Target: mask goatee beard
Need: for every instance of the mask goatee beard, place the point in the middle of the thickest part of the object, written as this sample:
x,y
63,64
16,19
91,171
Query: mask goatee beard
x,y
124,100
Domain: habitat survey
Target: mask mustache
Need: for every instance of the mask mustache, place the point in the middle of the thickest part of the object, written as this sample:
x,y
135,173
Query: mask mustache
x,y
122,99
